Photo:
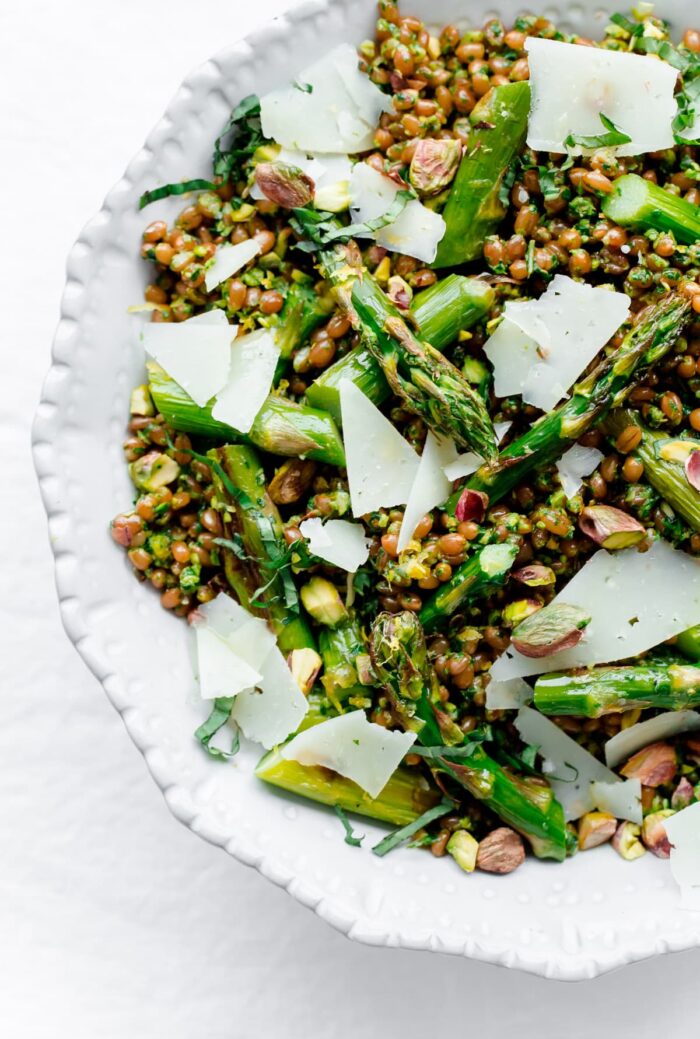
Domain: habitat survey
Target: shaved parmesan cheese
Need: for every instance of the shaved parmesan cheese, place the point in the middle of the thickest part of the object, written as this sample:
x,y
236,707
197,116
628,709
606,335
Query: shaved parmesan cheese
x,y
573,769
221,671
338,114
416,231
240,658
430,487
632,598
381,464
330,174
621,799
683,831
269,714
195,353
628,741
543,345
254,358
571,85
464,465
507,696
359,750
228,259
576,463
337,541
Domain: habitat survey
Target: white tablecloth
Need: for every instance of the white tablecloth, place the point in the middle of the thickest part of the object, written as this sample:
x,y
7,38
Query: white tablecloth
x,y
116,922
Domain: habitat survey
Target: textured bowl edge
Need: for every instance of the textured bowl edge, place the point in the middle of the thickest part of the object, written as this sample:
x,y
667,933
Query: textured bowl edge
x,y
177,798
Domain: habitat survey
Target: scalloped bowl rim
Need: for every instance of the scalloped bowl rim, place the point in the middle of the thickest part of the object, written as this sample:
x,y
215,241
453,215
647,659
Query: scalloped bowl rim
x,y
564,950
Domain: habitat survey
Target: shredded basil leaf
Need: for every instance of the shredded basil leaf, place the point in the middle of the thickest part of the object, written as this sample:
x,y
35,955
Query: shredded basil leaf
x,y
666,51
316,229
613,137
355,839
175,189
507,181
220,714
400,836
246,136
306,88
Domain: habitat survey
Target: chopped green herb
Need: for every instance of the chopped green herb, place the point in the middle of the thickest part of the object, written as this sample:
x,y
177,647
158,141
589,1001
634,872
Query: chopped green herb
x,y
610,139
320,228
355,839
404,833
175,189
220,714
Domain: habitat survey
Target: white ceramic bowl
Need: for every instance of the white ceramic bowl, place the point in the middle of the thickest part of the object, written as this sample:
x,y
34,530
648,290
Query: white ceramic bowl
x,y
589,915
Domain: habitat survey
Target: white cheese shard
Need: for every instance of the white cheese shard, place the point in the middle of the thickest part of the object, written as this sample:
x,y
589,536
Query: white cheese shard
x,y
231,645
221,671
661,727
572,85
622,799
416,231
571,769
338,541
576,463
228,260
268,715
195,353
240,658
253,361
683,832
507,696
632,598
456,466
358,749
338,114
430,487
330,174
543,345
381,464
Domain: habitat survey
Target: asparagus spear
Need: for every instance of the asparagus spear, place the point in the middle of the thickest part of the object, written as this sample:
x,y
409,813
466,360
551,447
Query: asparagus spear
x,y
406,796
474,209
339,648
607,386
688,642
280,427
255,556
636,202
606,690
303,311
400,658
418,373
665,476
440,313
476,577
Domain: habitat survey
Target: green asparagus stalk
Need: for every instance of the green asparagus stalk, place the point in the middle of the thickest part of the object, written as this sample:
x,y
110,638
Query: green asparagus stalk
x,y
665,475
406,796
280,427
303,311
450,305
399,654
688,642
474,579
339,648
255,553
607,386
636,202
427,382
607,690
474,209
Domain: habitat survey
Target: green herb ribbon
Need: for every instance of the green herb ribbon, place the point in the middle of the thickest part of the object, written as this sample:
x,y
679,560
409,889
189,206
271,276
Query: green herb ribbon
x,y
613,137
398,837
351,837
220,714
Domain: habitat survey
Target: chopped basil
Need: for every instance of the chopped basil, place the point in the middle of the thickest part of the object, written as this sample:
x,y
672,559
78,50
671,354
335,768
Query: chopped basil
x,y
245,132
317,229
632,28
175,189
220,714
610,139
400,836
351,837
306,88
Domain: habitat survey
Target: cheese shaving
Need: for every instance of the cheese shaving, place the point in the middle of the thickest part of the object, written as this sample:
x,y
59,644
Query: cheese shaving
x,y
661,727
254,359
416,231
228,260
195,353
339,542
358,749
576,463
